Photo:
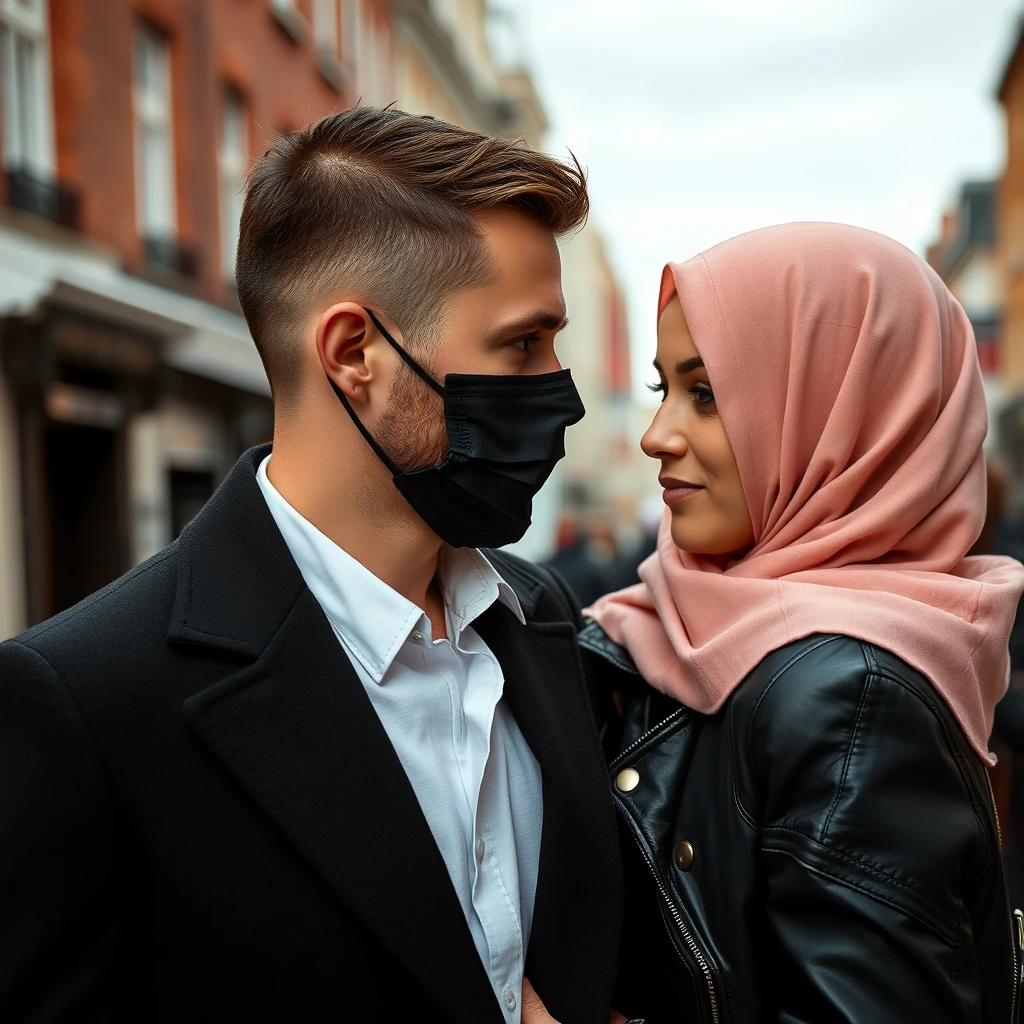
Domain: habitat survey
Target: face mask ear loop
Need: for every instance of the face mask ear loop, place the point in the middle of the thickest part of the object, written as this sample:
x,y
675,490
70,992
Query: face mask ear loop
x,y
378,451
410,362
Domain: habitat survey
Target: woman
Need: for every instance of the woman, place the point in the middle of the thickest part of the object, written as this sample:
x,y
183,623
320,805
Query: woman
x,y
810,665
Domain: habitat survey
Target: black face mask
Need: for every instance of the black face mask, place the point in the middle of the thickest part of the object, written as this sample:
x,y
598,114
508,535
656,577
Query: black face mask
x,y
505,435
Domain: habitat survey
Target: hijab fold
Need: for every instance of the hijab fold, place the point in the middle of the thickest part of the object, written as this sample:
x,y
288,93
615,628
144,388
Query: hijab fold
x,y
847,380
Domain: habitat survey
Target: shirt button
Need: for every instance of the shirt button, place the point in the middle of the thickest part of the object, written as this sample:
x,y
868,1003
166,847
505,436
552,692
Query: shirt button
x,y
417,636
510,998
479,849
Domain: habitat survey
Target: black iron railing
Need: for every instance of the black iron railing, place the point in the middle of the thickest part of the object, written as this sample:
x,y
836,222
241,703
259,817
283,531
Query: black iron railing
x,y
51,200
167,253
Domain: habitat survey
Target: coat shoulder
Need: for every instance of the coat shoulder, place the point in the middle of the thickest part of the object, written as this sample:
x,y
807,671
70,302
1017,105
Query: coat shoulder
x,y
127,618
825,687
839,745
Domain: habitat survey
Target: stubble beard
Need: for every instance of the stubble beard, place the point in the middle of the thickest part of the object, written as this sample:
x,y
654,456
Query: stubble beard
x,y
414,436
413,433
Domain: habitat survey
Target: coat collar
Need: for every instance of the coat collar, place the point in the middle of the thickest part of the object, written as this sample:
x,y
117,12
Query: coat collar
x,y
237,579
295,727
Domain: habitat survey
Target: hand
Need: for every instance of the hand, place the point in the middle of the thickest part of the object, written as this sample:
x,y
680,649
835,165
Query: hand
x,y
534,1010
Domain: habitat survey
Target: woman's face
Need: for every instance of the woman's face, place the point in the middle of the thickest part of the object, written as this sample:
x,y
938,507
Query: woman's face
x,y
698,469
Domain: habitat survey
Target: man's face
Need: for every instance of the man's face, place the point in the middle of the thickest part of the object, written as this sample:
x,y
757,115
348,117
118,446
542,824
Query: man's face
x,y
506,326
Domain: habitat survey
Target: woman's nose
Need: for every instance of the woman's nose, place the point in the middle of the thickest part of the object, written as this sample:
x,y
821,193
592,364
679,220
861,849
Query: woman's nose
x,y
661,439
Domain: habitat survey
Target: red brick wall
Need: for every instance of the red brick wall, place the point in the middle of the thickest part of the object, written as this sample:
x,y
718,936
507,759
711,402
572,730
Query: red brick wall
x,y
213,43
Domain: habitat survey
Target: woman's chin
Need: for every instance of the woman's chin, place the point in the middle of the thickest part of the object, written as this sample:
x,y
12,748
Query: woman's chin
x,y
685,537
704,542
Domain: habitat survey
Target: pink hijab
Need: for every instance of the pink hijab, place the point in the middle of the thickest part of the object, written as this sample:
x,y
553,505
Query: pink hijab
x,y
847,380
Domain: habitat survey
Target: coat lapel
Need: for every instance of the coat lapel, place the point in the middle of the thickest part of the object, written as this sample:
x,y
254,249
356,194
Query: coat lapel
x,y
573,949
298,732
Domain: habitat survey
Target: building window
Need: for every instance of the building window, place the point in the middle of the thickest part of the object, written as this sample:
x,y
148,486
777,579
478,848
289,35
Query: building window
x,y
233,160
290,19
154,143
27,108
364,46
351,31
325,25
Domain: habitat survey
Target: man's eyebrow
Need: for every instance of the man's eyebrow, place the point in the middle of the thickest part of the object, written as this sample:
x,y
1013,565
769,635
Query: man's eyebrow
x,y
544,319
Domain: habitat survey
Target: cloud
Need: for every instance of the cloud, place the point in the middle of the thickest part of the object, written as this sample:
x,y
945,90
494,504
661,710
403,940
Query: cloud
x,y
699,120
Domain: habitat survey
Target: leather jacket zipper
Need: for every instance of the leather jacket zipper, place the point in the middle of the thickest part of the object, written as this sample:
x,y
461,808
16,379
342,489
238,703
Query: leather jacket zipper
x,y
1018,971
677,917
1016,934
666,897
646,736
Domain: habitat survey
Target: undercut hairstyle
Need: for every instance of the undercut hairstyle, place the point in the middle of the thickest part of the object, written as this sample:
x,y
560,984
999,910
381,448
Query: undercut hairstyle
x,y
380,204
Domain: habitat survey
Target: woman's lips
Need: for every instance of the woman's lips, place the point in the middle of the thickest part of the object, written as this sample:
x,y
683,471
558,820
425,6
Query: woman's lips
x,y
676,493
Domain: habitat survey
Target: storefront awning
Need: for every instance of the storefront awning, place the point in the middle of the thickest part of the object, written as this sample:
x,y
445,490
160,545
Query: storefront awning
x,y
199,338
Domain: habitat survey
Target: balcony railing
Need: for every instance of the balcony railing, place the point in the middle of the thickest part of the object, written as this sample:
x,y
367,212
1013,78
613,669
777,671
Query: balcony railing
x,y
51,200
164,253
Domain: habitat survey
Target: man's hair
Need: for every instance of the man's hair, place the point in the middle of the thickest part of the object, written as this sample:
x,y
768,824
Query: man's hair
x,y
381,204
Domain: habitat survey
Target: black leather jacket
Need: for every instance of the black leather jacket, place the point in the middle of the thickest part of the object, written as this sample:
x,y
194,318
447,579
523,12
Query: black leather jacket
x,y
824,848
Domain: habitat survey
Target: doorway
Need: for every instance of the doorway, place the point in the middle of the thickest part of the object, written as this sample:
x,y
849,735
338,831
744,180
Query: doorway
x,y
84,536
190,491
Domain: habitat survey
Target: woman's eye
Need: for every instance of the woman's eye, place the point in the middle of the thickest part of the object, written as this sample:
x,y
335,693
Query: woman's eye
x,y
661,388
702,394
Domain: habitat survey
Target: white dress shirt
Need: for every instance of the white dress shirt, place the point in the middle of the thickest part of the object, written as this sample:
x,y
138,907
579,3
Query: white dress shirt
x,y
440,702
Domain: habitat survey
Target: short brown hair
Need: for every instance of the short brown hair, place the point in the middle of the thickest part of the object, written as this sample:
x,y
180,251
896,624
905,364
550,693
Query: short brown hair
x,y
382,202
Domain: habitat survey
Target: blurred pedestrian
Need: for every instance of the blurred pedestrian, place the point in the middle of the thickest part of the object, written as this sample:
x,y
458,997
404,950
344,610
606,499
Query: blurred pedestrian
x,y
574,562
804,784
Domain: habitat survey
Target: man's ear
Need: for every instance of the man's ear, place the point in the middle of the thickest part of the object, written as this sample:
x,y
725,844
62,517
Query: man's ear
x,y
342,335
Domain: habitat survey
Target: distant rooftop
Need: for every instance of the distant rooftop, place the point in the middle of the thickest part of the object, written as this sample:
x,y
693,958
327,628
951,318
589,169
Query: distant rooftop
x,y
975,220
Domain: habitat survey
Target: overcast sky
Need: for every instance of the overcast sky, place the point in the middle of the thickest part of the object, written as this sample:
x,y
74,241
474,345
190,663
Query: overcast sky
x,y
699,119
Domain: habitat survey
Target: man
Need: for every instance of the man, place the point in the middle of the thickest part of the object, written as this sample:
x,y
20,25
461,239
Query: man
x,y
321,759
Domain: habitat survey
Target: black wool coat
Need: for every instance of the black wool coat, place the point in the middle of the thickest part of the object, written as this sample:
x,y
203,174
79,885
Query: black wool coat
x,y
202,818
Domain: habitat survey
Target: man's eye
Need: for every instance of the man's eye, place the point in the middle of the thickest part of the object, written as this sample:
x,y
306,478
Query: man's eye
x,y
524,343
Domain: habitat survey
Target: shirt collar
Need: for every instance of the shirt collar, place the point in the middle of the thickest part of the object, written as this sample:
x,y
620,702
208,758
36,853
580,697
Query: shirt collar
x,y
373,620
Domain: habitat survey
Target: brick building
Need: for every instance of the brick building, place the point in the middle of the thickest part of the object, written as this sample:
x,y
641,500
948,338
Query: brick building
x,y
1010,223
1009,264
128,382
967,258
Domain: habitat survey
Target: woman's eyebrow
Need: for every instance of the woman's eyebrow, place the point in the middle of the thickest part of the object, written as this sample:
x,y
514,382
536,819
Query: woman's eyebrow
x,y
689,365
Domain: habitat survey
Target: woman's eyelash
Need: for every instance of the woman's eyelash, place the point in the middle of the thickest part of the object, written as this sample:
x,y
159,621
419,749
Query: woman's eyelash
x,y
703,394
659,388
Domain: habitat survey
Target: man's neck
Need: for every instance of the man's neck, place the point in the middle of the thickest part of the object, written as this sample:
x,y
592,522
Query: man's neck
x,y
401,554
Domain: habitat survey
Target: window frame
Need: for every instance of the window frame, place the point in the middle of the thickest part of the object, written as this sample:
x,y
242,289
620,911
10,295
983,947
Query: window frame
x,y
28,134
232,166
156,216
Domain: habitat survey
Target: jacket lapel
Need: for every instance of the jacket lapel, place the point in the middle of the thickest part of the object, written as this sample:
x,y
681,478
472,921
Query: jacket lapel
x,y
298,732
573,951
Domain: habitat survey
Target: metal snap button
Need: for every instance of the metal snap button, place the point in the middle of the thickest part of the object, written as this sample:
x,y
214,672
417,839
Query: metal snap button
x,y
627,780
683,856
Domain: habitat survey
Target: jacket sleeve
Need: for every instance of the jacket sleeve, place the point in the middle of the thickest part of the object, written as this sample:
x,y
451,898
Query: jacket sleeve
x,y
871,829
61,937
